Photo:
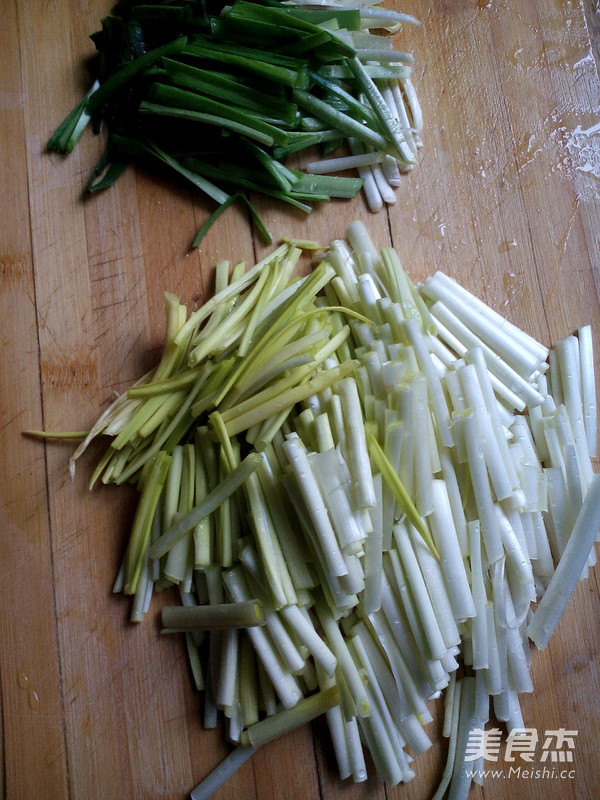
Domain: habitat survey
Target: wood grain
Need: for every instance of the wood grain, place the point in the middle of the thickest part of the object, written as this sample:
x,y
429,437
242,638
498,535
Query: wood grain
x,y
504,198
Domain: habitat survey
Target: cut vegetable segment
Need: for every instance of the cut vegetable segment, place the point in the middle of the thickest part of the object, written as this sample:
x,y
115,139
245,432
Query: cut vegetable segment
x,y
354,504
278,75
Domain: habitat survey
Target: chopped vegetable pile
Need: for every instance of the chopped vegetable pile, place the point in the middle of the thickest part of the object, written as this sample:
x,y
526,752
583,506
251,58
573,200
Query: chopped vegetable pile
x,y
361,488
223,94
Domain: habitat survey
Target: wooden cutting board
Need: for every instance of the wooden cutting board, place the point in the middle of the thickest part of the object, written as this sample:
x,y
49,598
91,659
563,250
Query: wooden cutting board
x,y
504,198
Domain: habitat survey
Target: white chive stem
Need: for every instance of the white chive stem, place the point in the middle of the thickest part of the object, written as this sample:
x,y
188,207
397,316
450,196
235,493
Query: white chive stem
x,y
515,382
568,570
588,387
222,773
451,559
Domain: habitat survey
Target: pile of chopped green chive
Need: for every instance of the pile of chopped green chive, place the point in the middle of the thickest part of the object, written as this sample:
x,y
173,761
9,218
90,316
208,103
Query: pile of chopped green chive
x,y
224,94
360,489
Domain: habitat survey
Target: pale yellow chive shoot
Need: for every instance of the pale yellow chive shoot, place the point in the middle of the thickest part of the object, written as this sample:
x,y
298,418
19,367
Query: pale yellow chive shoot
x,y
202,531
110,422
225,528
272,560
172,486
273,390
222,279
288,398
288,720
231,460
234,288
248,690
143,592
195,662
281,328
103,467
282,288
66,435
296,353
401,289
304,244
173,352
212,501
176,563
286,290
243,371
393,481
164,433
169,406
146,411
268,429
221,282
257,311
142,524
218,616
231,326
171,384
350,312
